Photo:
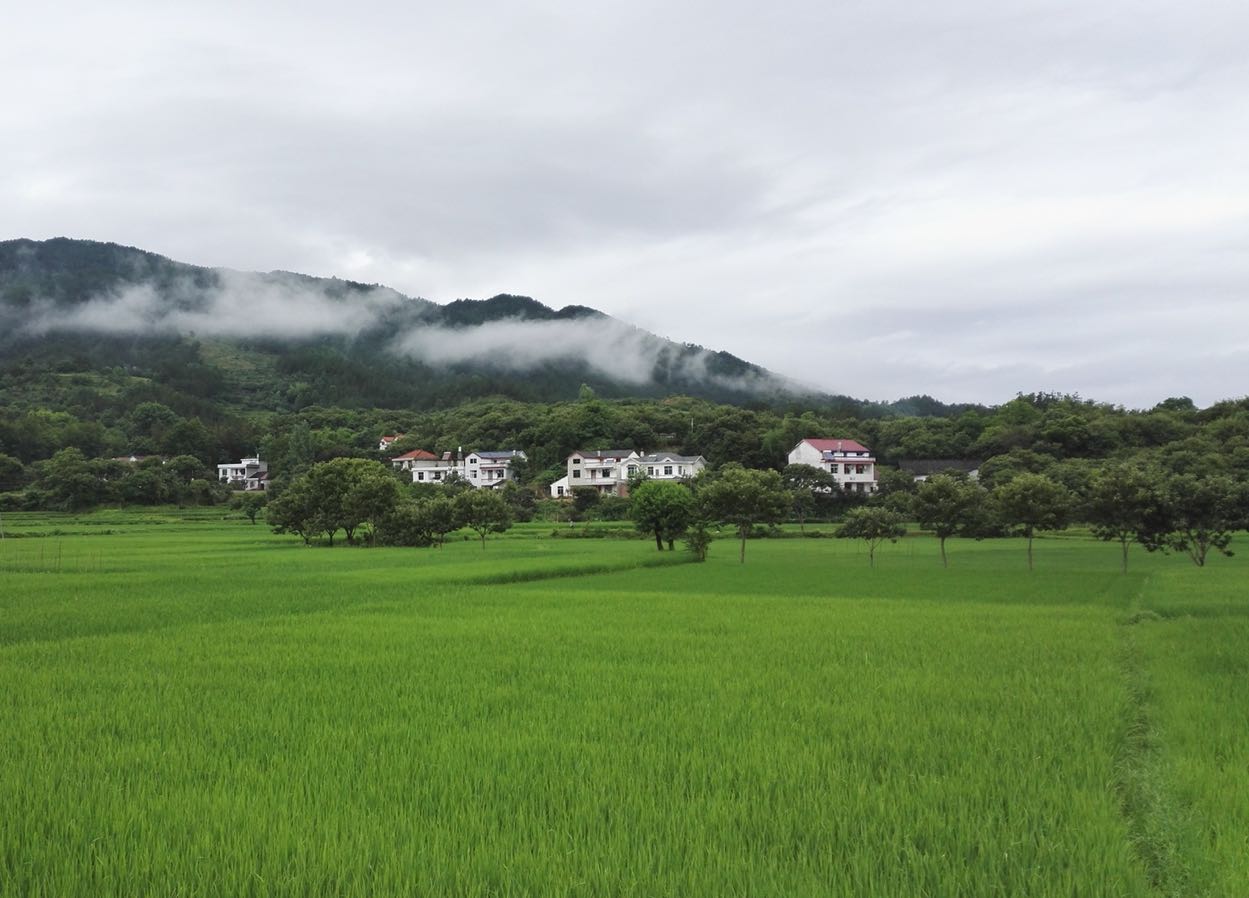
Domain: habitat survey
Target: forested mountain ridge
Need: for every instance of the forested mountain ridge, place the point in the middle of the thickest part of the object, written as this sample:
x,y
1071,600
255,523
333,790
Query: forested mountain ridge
x,y
279,341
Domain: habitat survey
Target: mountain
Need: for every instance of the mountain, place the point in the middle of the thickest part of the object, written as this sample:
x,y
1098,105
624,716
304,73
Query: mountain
x,y
95,312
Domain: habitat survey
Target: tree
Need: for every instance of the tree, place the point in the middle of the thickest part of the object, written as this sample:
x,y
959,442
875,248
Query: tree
x,y
1196,514
71,481
946,505
442,515
249,504
583,499
698,539
661,507
371,493
1032,502
872,524
1122,500
422,522
483,511
807,484
295,511
12,473
744,497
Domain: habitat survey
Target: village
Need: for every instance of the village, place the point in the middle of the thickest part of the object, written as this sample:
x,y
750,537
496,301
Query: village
x,y
607,471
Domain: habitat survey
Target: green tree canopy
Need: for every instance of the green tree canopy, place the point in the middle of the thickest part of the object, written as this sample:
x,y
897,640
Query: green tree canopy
x,y
661,507
743,497
873,524
947,506
1031,502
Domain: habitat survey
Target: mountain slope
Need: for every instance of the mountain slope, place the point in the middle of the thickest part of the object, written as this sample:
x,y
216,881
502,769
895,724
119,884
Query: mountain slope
x,y
284,340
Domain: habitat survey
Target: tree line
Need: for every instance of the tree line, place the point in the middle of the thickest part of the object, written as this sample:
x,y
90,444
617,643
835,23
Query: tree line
x,y
1125,502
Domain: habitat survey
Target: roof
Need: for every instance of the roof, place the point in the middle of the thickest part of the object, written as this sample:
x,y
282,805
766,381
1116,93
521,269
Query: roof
x,y
836,445
604,453
416,455
390,438
506,453
659,457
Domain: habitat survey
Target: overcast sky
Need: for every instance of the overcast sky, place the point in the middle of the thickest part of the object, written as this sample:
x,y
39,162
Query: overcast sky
x,y
966,199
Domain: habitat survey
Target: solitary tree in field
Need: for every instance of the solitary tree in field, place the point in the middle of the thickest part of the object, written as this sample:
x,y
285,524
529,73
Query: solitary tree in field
x,y
1032,502
295,511
483,511
1122,501
744,497
663,508
441,515
250,504
874,525
1196,514
946,505
808,485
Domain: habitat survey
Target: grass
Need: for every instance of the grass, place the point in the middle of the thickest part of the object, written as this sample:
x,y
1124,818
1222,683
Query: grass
x,y
212,709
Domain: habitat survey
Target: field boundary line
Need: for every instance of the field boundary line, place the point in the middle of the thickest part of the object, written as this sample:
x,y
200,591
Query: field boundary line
x,y
1156,824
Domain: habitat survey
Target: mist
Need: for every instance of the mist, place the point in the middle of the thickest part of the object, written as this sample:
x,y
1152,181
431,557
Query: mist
x,y
285,306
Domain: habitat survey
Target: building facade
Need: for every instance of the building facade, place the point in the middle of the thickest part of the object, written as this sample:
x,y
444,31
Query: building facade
x,y
850,462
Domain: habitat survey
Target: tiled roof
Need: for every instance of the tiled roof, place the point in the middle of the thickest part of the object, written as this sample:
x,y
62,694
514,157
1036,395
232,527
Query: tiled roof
x,y
604,453
669,458
507,453
416,455
836,445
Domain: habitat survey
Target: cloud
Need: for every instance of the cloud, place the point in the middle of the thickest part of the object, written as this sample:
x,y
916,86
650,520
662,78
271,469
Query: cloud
x,y
238,305
291,307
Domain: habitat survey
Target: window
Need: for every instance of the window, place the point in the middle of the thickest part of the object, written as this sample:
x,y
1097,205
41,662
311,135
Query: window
x,y
847,471
420,475
858,469
576,474
667,470
576,461
559,491
681,470
438,475
472,461
607,472
633,469
650,470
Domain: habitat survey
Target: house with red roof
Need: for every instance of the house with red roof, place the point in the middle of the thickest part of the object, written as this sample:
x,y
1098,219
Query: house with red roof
x,y
426,467
389,440
850,462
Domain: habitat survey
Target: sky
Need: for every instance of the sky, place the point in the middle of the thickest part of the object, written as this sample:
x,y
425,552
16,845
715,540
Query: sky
x,y
967,199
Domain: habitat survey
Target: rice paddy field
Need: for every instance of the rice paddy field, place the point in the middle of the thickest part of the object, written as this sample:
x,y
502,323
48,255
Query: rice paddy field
x,y
190,705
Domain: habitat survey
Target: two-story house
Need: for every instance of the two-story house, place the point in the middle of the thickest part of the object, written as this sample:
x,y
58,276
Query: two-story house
x,y
480,469
606,470
609,470
426,467
248,474
850,462
491,468
669,465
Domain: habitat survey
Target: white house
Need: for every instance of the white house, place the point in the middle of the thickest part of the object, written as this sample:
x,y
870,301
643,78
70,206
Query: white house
x,y
604,469
389,440
490,468
670,466
609,470
248,474
480,469
851,463
425,467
